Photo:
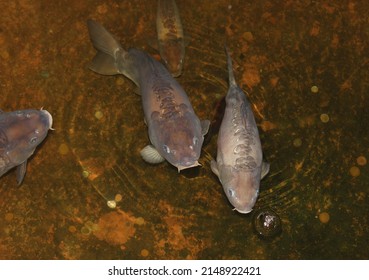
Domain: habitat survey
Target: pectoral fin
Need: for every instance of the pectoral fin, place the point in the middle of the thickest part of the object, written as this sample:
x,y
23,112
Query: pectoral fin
x,y
21,171
264,169
205,126
104,64
151,155
214,167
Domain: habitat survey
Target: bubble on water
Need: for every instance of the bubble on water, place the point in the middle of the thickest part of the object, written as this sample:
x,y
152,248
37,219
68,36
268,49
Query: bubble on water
x,y
63,149
324,217
85,230
99,115
314,89
267,223
324,118
111,204
72,229
91,226
85,173
140,221
144,252
354,171
361,160
118,197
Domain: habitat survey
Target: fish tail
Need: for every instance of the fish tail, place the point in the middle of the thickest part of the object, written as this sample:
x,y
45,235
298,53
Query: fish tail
x,y
232,81
108,49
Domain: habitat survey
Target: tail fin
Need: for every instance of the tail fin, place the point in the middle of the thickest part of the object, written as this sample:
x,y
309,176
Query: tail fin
x,y
232,81
107,49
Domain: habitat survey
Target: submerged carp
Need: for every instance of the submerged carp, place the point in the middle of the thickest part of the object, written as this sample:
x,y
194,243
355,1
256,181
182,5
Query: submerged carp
x,y
239,164
20,133
175,131
170,36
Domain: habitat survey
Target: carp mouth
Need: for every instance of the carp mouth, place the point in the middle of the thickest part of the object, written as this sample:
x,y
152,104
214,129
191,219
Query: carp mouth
x,y
182,167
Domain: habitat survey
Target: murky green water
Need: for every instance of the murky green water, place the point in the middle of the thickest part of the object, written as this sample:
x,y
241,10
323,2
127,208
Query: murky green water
x,y
315,139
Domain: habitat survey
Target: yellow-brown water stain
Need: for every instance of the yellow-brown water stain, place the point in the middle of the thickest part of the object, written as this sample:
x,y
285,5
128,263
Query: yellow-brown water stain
x,y
9,217
251,77
181,240
307,121
116,227
267,125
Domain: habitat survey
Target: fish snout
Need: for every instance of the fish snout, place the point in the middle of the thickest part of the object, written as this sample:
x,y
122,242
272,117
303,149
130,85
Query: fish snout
x,y
243,207
48,117
242,197
243,211
189,158
188,164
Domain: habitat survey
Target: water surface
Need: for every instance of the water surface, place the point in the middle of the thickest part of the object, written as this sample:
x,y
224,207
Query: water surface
x,y
315,138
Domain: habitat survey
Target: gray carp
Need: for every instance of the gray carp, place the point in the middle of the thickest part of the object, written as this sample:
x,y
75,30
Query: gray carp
x,y
20,133
239,165
176,133
170,36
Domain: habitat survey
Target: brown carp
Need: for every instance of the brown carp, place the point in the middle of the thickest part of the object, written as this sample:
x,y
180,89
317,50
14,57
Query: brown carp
x,y
176,133
170,36
20,133
239,165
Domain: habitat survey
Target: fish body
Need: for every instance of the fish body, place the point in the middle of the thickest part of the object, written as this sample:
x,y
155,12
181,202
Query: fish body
x,y
176,133
20,133
239,164
170,36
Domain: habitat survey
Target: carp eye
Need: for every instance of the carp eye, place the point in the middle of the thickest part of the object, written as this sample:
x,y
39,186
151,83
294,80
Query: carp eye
x,y
231,192
195,140
166,149
33,140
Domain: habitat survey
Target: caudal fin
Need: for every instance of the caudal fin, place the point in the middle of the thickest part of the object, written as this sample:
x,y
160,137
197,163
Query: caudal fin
x,y
232,81
108,49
